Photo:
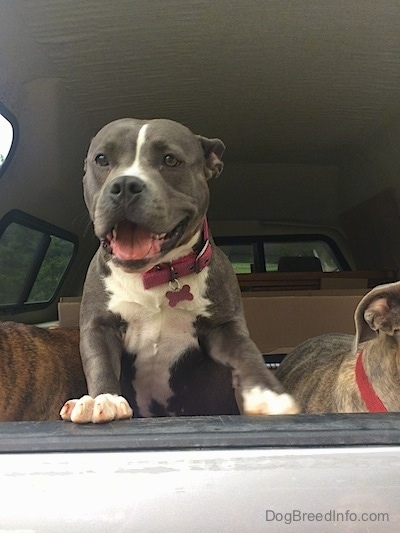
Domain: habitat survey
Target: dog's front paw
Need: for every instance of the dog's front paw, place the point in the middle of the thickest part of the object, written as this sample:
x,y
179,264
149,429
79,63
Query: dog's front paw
x,y
103,408
258,401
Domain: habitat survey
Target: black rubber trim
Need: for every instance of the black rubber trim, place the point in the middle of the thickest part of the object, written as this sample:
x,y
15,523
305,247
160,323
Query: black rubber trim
x,y
221,432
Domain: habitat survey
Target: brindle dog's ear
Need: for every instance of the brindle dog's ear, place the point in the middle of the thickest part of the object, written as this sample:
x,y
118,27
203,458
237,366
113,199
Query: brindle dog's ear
x,y
379,310
378,315
213,151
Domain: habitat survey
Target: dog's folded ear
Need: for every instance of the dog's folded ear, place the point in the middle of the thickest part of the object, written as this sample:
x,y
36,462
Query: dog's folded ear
x,y
379,310
213,151
364,332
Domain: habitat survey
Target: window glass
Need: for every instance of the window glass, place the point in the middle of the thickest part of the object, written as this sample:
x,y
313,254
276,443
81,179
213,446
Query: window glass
x,y
290,253
241,256
52,269
18,248
34,258
8,128
6,138
318,249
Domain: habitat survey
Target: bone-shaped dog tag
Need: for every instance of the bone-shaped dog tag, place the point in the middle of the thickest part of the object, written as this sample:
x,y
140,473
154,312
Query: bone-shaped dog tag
x,y
179,295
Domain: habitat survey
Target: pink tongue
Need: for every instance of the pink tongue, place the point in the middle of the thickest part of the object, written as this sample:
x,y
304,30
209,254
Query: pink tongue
x,y
133,242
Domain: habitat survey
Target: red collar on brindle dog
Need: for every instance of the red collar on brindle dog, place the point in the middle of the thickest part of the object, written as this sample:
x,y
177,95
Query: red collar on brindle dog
x,y
371,399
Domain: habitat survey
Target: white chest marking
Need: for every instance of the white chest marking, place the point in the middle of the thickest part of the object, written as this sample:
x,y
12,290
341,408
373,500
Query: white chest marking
x,y
156,333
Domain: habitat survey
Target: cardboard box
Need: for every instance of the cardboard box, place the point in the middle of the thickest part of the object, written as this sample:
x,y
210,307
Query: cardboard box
x,y
68,311
277,321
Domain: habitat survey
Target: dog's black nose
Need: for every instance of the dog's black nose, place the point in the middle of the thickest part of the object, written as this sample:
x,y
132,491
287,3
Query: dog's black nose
x,y
126,187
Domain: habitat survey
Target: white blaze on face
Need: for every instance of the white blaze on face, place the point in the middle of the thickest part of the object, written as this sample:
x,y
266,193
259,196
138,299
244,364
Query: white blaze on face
x,y
136,169
129,242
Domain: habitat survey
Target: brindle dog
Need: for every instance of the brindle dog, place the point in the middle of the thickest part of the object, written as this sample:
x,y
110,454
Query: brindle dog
x,y
321,372
39,370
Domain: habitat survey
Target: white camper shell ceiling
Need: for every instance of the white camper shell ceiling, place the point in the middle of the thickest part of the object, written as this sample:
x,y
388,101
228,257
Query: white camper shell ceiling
x,y
304,93
290,80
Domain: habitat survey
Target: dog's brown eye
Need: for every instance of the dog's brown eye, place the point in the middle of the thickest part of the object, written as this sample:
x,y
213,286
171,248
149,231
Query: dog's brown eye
x,y
171,161
101,160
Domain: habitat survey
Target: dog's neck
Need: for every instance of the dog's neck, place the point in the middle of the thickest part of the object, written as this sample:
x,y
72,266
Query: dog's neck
x,y
192,263
371,399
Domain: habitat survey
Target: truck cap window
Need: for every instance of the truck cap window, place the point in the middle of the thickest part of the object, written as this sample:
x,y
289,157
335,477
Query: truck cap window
x,y
290,253
8,137
34,259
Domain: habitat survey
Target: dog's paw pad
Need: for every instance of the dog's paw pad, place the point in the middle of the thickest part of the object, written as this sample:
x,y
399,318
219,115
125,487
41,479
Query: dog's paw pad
x,y
258,401
103,408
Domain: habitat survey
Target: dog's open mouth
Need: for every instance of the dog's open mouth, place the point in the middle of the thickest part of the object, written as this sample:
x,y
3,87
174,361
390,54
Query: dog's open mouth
x,y
130,242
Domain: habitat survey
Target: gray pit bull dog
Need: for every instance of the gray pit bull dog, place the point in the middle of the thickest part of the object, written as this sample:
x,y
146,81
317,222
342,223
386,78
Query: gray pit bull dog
x,y
162,325
341,373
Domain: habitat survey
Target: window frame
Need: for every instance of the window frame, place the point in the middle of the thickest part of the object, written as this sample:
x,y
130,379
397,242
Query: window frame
x,y
14,123
258,242
48,230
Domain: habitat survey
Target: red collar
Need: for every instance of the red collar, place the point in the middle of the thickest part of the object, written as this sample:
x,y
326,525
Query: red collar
x,y
189,264
371,399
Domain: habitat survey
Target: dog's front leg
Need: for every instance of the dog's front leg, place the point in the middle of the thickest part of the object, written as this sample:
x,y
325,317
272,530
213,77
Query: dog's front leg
x,y
101,349
261,393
